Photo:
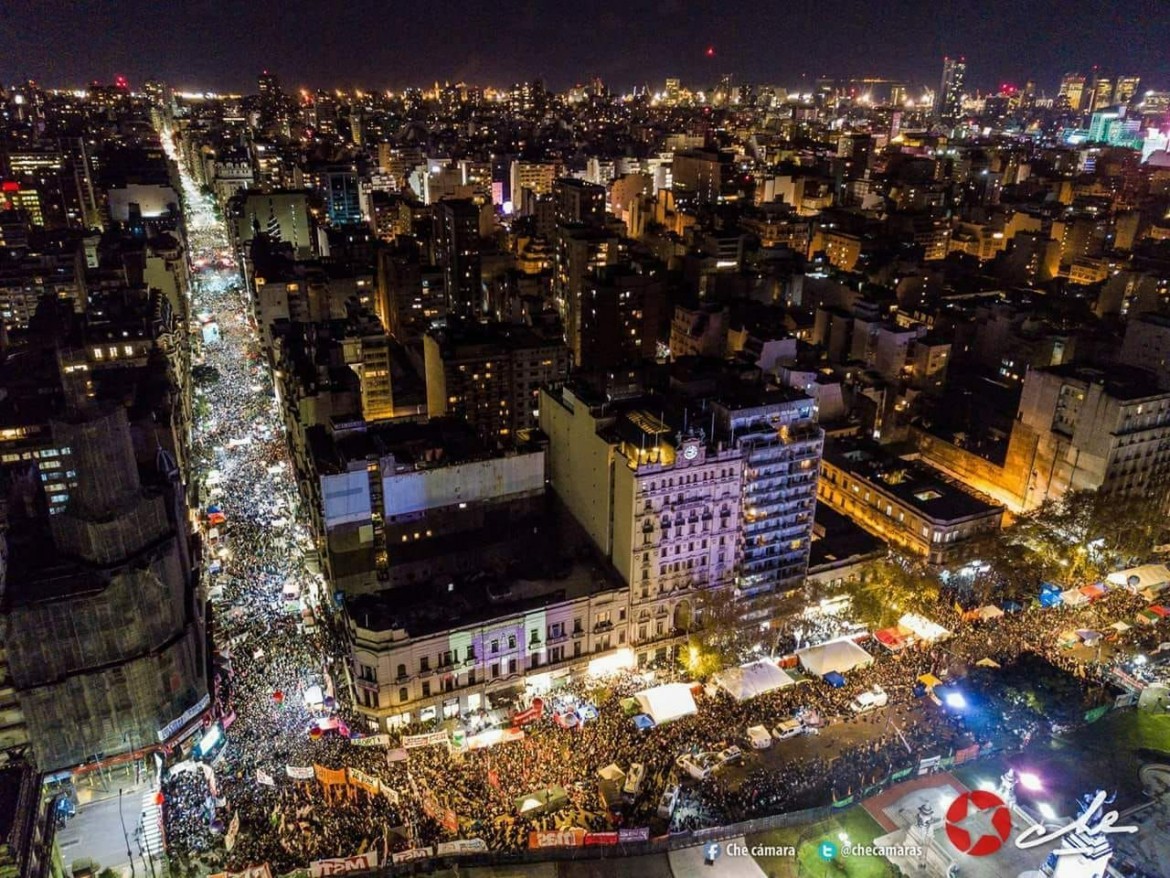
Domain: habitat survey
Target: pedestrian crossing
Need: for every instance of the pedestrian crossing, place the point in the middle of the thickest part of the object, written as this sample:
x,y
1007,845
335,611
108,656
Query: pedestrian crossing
x,y
152,840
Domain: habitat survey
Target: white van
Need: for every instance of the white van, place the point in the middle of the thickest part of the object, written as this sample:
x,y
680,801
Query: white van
x,y
759,738
871,700
790,728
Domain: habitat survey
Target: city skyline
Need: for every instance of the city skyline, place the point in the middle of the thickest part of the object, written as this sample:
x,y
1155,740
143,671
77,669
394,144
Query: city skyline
x,y
627,47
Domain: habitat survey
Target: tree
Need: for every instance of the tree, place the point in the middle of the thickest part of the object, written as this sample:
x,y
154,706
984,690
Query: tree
x,y
891,586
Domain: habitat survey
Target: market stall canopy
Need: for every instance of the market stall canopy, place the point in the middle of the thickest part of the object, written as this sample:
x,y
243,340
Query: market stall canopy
x,y
990,612
834,679
612,772
891,638
1073,597
1151,576
923,628
668,702
752,679
841,656
930,681
1092,592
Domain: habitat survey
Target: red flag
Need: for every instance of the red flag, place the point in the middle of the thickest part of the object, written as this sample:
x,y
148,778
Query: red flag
x,y
493,778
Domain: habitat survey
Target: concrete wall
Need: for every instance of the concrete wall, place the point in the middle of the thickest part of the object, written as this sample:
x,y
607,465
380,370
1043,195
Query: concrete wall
x,y
493,479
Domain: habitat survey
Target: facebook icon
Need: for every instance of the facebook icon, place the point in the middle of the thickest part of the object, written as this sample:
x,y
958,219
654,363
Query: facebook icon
x,y
711,853
828,850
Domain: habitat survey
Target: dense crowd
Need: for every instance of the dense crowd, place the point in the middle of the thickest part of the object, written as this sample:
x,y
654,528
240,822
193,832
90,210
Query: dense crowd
x,y
278,644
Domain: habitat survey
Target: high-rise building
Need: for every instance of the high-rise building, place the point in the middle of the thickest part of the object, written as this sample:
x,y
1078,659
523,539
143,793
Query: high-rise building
x,y
949,101
1127,89
456,232
662,500
490,375
1072,91
1102,95
339,187
776,432
104,645
622,313
575,201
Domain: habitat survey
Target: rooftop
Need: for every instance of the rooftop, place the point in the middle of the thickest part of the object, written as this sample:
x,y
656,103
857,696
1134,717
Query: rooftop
x,y
473,600
912,483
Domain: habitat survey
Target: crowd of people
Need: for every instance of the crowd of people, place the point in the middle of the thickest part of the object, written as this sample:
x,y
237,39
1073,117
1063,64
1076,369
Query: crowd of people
x,y
280,671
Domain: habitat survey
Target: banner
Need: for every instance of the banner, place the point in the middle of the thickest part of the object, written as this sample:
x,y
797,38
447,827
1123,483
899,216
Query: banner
x,y
229,839
638,833
898,775
560,838
329,776
412,854
462,846
189,714
925,765
251,872
1129,699
409,742
371,741
600,838
341,865
390,793
298,773
450,820
364,781
966,754
398,754
430,804
265,778
843,802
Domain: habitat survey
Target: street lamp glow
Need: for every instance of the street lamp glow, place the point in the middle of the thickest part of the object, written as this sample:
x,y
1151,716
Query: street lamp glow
x,y
956,700
1046,811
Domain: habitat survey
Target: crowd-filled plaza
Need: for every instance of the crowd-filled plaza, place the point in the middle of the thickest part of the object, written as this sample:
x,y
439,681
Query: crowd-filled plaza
x,y
297,776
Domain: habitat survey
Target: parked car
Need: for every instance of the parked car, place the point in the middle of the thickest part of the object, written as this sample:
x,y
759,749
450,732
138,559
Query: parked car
x,y
730,755
870,700
668,802
759,738
790,728
634,779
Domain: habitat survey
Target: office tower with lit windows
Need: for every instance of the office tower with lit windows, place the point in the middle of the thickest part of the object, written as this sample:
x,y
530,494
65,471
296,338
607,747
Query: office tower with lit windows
x,y
949,103
1072,91
456,231
1127,89
1102,95
576,201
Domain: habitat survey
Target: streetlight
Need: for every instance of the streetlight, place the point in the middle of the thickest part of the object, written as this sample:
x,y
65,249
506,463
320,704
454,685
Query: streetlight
x,y
125,835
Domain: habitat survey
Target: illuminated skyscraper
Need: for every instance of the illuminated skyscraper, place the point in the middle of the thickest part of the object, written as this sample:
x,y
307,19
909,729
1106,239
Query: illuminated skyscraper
x,y
1102,95
1127,87
1072,90
949,103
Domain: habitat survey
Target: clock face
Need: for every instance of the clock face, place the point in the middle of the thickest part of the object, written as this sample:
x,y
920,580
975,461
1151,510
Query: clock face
x,y
691,452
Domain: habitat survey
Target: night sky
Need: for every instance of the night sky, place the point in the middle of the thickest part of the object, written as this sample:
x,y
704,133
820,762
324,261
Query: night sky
x,y
222,44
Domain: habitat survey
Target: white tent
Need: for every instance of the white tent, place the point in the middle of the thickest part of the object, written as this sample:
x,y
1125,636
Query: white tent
x,y
1153,576
841,656
668,702
752,679
923,628
1073,597
990,612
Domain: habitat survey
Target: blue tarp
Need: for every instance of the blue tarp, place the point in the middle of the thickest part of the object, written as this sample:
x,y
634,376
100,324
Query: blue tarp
x,y
643,722
834,679
1050,595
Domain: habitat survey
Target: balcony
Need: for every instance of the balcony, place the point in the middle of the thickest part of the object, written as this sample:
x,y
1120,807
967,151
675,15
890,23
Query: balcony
x,y
605,625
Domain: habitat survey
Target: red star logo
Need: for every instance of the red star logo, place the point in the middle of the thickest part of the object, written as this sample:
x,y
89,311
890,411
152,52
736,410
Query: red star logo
x,y
978,823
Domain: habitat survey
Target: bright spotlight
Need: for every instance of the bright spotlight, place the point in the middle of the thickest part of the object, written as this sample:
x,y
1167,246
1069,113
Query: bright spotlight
x,y
1046,811
1030,781
956,700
